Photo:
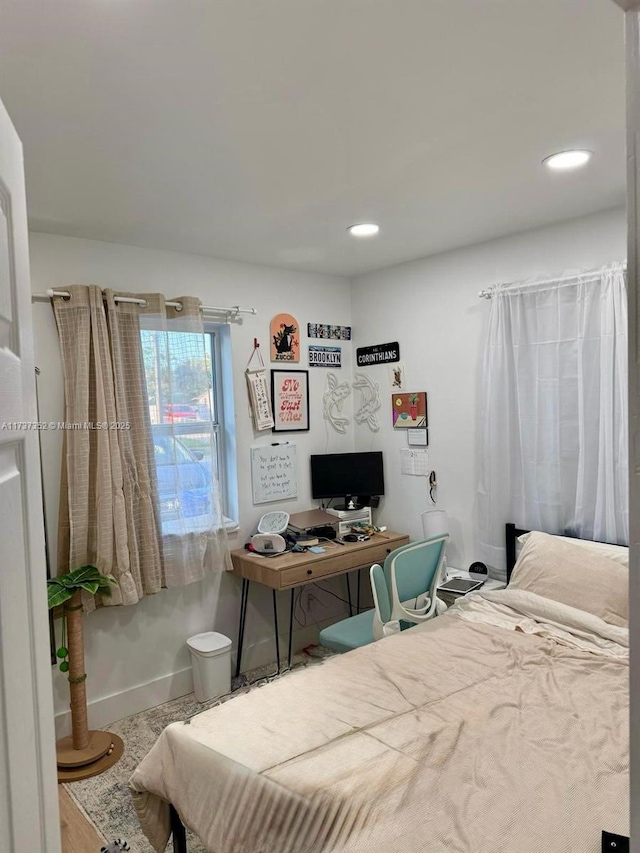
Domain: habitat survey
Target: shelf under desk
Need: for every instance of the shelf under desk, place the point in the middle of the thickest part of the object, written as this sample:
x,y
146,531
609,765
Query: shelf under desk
x,y
291,570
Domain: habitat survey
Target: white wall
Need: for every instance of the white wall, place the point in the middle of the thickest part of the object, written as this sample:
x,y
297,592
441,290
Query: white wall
x,y
431,307
137,655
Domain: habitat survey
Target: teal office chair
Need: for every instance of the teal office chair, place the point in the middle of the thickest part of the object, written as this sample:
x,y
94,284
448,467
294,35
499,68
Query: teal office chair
x,y
404,594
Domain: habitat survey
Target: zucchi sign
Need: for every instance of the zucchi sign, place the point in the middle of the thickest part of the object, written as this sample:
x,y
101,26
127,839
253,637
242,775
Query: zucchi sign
x,y
378,354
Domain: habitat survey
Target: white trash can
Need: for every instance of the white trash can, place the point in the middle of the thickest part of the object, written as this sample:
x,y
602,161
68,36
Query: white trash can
x,y
211,665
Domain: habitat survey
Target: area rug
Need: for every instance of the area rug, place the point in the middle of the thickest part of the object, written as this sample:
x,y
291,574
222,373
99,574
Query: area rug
x,y
105,799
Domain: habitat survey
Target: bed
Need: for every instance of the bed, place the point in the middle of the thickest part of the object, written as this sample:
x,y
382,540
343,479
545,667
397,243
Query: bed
x,y
502,725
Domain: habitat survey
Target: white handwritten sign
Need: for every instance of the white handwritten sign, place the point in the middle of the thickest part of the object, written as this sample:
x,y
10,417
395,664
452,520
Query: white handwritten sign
x,y
274,473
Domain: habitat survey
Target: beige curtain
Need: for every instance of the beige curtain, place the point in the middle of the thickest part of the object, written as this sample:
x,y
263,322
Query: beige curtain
x,y
110,508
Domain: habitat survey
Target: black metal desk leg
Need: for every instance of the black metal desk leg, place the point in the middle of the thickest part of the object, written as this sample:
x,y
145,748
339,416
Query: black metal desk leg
x,y
244,598
349,594
178,832
290,628
275,627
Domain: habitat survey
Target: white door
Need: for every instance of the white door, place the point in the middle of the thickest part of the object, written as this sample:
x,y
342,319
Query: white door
x,y
29,820
632,40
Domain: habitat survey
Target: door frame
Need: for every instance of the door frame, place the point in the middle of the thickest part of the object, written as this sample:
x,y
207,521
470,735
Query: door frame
x,y
29,811
632,51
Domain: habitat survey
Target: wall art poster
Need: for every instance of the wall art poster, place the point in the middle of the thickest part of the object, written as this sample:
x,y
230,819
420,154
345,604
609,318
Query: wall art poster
x,y
335,393
409,410
290,398
285,338
396,375
325,356
259,398
332,333
369,401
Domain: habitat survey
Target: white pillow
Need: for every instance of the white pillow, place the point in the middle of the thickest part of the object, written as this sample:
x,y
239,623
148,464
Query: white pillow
x,y
617,553
559,569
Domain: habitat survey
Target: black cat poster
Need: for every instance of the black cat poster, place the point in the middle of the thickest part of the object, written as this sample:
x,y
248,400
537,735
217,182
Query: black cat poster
x,y
285,339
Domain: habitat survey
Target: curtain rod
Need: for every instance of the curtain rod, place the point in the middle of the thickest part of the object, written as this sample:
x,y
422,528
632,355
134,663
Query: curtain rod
x,y
488,292
206,309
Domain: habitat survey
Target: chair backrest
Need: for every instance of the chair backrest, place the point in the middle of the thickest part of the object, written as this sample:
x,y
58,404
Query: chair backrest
x,y
405,589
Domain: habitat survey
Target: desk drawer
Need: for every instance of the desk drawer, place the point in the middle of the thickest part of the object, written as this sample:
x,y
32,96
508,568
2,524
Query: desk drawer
x,y
379,553
348,561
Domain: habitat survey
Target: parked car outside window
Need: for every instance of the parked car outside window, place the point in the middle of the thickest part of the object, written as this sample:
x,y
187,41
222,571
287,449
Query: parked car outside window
x,y
179,413
184,486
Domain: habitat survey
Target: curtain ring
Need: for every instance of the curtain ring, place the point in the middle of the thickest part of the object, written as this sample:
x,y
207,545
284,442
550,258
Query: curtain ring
x,y
178,306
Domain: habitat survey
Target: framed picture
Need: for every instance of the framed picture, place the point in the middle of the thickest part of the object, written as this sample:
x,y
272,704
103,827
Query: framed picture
x,y
290,399
409,410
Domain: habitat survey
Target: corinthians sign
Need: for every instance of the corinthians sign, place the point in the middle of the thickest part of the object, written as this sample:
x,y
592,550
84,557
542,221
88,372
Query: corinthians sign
x,y
378,354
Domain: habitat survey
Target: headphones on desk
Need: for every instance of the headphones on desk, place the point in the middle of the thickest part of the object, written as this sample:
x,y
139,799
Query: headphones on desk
x,y
270,544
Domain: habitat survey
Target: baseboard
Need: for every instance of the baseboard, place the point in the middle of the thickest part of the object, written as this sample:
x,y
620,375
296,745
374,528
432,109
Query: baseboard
x,y
104,711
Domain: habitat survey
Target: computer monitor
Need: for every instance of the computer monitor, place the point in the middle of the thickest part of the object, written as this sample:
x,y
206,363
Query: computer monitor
x,y
350,476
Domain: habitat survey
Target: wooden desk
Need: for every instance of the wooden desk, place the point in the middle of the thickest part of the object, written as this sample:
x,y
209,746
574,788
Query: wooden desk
x,y
292,570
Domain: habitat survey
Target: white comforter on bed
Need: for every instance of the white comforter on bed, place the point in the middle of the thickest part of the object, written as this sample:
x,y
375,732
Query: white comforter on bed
x,y
500,727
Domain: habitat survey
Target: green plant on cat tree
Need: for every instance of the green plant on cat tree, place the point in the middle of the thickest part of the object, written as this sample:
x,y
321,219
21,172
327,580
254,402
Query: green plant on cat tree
x,y
85,753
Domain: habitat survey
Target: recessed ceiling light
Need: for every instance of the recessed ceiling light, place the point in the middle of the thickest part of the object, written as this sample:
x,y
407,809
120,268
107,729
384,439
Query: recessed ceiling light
x,y
567,159
363,229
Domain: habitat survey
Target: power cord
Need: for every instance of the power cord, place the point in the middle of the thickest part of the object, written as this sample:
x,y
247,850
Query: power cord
x,y
433,485
329,592
298,604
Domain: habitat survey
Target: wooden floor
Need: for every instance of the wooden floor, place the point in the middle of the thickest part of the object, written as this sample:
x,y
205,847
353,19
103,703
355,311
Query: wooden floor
x,y
78,835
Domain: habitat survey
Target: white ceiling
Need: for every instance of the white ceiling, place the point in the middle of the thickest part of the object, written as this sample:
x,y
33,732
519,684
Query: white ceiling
x,y
259,130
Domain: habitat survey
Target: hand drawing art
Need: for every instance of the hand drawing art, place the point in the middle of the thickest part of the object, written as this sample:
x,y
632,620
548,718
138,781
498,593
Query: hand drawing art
x,y
334,396
396,374
370,404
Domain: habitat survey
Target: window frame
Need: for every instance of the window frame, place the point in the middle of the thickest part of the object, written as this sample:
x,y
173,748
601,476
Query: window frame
x,y
222,391
223,424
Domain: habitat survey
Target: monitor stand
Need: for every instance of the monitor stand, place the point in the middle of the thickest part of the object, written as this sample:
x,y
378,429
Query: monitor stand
x,y
348,516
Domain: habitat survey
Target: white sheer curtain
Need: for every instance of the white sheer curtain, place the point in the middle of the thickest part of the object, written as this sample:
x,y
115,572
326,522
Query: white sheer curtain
x,y
554,411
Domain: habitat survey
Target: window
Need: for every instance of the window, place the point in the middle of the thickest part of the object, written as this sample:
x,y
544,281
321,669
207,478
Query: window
x,y
188,379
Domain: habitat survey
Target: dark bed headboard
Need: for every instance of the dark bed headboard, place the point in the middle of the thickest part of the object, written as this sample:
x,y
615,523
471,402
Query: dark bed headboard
x,y
511,533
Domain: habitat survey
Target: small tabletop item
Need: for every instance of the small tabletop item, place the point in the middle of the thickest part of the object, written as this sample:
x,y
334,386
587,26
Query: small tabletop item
x,y
460,586
273,522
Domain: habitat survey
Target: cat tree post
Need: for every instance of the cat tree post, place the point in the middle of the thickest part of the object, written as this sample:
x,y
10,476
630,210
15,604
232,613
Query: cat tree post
x,y
85,753
77,675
